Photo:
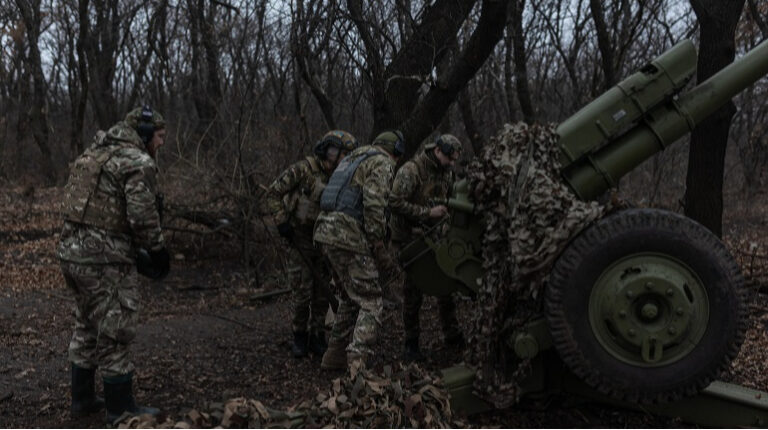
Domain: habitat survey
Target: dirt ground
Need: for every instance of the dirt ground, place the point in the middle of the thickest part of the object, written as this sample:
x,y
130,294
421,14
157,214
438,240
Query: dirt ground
x,y
203,338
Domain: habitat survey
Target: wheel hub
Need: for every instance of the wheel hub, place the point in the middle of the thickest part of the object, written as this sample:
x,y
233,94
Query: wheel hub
x,y
648,309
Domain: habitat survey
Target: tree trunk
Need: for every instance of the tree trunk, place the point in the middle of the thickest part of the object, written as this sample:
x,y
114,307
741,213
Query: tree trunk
x,y
470,125
429,112
100,45
706,159
521,61
603,43
30,12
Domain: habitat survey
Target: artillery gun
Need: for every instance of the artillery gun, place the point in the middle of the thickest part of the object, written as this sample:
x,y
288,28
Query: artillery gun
x,y
644,307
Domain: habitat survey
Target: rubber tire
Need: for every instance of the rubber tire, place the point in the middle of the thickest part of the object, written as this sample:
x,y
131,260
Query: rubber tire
x,y
635,231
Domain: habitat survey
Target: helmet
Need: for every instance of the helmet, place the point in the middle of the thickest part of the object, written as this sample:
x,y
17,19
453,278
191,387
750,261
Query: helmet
x,y
145,121
447,143
337,138
392,141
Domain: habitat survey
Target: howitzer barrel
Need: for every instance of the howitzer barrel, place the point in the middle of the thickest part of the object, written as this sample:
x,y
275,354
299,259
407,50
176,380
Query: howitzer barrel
x,y
600,169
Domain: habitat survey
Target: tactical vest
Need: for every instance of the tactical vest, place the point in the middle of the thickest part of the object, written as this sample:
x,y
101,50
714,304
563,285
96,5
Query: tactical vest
x,y
308,202
84,202
339,195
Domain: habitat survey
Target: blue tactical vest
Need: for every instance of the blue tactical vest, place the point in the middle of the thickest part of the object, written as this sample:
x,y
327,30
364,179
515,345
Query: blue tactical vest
x,y
339,195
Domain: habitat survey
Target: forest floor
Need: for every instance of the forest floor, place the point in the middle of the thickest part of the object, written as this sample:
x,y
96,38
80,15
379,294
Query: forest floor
x,y
203,338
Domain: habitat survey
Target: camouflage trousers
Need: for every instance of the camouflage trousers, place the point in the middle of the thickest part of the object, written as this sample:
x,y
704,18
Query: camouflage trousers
x,y
310,290
413,298
106,315
360,304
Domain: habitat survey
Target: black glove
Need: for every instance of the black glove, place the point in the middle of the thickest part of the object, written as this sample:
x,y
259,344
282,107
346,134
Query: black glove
x,y
285,230
153,264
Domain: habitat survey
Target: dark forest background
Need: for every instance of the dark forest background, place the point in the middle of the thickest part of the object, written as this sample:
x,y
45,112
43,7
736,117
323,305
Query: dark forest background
x,y
248,86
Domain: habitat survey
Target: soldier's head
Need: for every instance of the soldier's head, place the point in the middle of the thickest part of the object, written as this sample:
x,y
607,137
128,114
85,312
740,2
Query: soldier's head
x,y
334,146
391,141
149,125
446,148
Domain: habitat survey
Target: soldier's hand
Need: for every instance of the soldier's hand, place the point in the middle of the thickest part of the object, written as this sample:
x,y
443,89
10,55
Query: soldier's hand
x,y
285,230
438,211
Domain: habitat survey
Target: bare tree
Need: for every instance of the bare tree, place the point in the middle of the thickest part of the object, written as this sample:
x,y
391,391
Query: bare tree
x,y
706,159
36,112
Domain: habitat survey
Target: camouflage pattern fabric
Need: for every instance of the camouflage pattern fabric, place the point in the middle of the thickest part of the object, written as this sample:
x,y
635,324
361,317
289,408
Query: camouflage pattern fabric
x,y
294,197
127,180
396,396
310,295
530,216
419,185
374,177
295,194
106,315
360,304
97,262
413,299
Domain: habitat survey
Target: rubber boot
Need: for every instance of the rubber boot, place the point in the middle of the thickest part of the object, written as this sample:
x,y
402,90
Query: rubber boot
x,y
84,400
335,357
118,396
299,347
412,351
317,343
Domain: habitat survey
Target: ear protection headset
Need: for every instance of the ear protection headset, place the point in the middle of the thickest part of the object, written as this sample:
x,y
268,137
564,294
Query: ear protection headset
x,y
145,127
445,148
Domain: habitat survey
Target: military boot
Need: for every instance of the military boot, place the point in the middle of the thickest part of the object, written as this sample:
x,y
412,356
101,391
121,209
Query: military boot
x,y
412,351
317,343
335,357
118,396
84,400
299,347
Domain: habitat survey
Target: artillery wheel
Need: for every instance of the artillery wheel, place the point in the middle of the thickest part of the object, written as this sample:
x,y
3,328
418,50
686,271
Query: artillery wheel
x,y
646,306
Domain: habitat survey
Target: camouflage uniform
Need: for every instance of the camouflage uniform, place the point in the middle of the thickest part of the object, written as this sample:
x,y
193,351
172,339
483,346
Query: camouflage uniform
x,y
347,243
294,197
109,212
418,186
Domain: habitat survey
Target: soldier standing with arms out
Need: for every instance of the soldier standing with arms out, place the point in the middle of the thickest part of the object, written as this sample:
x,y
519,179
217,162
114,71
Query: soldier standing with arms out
x,y
351,232
419,183
111,229
293,200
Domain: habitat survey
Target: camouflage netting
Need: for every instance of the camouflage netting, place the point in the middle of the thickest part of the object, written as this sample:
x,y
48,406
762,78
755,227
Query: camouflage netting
x,y
529,219
397,397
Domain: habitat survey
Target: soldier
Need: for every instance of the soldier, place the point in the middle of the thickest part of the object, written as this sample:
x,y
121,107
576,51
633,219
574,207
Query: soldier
x,y
418,185
111,229
351,232
294,202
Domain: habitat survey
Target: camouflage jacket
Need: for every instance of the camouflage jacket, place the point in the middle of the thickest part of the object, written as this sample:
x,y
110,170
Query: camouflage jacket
x,y
374,176
295,195
419,183
110,204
